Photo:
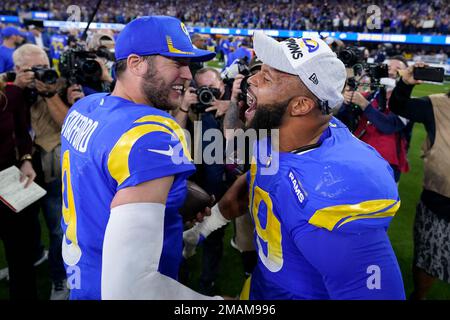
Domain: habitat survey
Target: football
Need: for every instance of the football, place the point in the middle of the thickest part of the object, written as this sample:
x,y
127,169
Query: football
x,y
197,199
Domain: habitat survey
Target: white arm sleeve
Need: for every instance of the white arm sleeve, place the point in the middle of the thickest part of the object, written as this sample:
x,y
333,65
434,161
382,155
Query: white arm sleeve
x,y
131,252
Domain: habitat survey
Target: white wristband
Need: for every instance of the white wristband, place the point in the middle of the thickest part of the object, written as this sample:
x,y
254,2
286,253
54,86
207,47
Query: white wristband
x,y
211,223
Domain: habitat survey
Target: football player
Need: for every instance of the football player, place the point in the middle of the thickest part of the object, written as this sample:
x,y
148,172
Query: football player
x,y
320,199
125,163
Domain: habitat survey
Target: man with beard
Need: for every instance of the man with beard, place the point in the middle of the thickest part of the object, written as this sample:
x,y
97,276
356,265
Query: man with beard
x,y
124,168
321,215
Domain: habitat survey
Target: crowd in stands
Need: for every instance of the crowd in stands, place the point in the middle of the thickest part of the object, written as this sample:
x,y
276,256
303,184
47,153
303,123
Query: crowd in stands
x,y
367,107
396,16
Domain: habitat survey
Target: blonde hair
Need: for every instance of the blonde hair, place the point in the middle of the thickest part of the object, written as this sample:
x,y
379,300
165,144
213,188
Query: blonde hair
x,y
21,54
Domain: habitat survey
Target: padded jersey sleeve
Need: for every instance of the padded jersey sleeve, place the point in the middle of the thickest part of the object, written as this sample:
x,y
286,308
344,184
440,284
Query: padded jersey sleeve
x,y
148,151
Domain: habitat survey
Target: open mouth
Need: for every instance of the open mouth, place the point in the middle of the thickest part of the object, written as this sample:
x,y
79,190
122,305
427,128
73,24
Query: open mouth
x,y
251,100
252,103
178,88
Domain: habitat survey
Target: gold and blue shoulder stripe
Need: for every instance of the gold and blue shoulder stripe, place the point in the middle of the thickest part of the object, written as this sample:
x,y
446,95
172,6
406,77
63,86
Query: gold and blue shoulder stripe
x,y
118,166
334,217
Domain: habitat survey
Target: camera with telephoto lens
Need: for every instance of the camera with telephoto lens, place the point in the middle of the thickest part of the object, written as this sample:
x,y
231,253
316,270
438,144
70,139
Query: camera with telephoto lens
x,y
206,95
354,58
376,71
80,67
46,75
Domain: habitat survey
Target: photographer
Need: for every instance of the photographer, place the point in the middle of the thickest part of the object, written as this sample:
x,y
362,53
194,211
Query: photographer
x,y
47,112
207,104
219,96
210,176
210,77
432,222
239,116
102,45
91,68
377,125
17,230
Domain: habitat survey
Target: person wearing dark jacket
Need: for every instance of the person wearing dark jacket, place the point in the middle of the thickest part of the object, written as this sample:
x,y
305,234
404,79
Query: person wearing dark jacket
x,y
17,230
377,125
432,223
380,128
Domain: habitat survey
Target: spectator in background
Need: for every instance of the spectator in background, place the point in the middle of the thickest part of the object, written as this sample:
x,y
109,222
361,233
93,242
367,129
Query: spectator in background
x,y
432,222
211,177
39,38
199,42
47,113
12,38
225,48
239,117
17,230
378,126
242,52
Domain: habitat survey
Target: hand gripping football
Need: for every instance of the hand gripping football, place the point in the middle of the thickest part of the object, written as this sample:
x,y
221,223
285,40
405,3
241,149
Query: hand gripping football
x,y
197,199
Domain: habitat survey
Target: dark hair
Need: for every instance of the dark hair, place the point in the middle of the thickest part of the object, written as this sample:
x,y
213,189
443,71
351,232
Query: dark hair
x,y
121,65
400,58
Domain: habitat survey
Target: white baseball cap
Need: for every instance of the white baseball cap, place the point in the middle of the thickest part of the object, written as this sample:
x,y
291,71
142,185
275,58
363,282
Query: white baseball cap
x,y
311,59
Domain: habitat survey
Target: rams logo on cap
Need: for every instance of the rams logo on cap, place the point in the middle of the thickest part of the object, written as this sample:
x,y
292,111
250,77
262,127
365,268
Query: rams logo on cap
x,y
311,44
183,27
170,42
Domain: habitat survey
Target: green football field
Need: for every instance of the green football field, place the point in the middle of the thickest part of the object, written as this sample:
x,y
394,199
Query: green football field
x,y
231,276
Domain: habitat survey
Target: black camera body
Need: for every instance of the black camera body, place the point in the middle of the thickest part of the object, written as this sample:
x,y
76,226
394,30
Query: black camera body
x,y
351,56
46,75
80,67
206,95
376,71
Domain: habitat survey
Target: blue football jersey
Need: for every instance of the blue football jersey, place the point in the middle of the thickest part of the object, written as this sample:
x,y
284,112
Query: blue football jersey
x,y
110,143
321,222
57,44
